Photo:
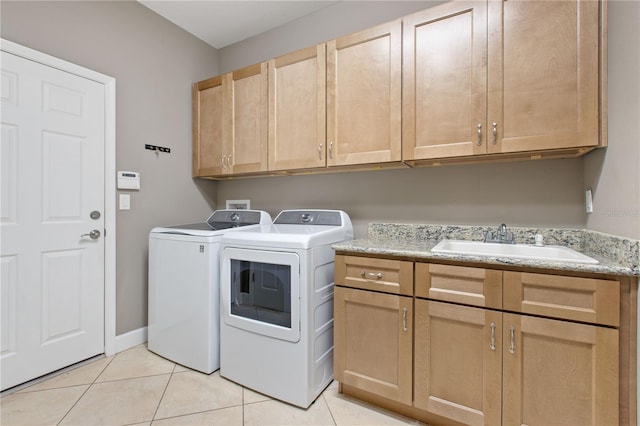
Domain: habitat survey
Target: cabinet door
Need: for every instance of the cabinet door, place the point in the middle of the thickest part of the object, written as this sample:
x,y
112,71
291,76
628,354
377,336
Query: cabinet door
x,y
364,96
543,74
208,127
297,110
458,362
247,92
444,81
559,373
373,342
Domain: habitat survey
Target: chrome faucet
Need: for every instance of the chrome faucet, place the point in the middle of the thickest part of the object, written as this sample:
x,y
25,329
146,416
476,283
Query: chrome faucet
x,y
502,236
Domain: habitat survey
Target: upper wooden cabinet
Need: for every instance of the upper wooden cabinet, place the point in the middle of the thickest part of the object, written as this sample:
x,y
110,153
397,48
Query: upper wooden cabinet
x,y
444,80
208,106
230,123
248,93
297,110
364,96
461,81
501,77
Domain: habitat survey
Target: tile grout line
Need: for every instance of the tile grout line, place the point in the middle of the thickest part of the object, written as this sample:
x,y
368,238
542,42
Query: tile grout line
x,y
86,390
329,408
243,388
155,412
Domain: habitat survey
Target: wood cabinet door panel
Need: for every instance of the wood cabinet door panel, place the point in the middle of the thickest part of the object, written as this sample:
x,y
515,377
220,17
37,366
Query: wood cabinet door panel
x,y
458,362
208,127
543,74
373,342
364,96
580,299
459,284
247,91
558,372
444,81
297,110
384,275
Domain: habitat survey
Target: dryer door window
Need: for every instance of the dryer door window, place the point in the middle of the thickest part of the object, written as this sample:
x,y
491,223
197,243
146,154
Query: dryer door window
x,y
261,292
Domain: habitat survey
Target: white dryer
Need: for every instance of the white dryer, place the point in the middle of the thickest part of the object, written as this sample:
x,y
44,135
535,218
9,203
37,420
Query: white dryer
x,y
184,290
276,286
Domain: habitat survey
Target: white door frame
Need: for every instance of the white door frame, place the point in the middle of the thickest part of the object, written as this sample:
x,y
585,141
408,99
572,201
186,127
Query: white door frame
x,y
109,176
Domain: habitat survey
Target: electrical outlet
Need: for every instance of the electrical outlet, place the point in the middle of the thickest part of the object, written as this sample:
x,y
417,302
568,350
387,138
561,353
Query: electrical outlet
x,y
588,201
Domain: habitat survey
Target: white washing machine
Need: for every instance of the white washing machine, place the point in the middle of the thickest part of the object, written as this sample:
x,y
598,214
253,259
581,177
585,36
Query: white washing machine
x,y
276,286
184,290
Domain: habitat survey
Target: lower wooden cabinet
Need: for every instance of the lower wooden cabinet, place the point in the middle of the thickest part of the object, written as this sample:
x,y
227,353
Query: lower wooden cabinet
x,y
478,366
559,372
552,352
373,335
458,362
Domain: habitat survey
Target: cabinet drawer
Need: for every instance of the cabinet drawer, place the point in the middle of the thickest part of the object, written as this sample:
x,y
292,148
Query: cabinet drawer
x,y
459,284
385,275
580,299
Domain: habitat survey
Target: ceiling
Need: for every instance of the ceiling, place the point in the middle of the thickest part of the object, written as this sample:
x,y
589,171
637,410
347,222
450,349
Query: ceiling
x,y
221,23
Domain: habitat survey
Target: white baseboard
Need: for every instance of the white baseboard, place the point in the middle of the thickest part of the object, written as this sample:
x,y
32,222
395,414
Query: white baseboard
x,y
131,339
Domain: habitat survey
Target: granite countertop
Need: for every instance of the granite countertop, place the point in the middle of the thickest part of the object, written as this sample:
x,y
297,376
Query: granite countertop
x,y
616,255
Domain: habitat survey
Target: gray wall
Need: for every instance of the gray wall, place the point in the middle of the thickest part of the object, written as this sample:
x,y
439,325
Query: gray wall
x,y
614,174
544,193
154,63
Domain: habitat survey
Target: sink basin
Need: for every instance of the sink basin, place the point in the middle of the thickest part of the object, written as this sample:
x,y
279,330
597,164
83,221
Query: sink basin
x,y
519,251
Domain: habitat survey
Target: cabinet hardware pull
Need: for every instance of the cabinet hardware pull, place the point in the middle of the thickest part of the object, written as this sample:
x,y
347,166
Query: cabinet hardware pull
x,y
495,132
512,332
404,319
223,165
320,151
479,134
229,162
331,150
371,274
493,337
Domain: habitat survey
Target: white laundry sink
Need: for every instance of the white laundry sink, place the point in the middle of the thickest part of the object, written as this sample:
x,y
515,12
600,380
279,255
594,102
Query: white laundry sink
x,y
520,251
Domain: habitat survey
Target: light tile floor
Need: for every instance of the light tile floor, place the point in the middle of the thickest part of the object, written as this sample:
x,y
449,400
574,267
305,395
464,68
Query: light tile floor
x,y
137,387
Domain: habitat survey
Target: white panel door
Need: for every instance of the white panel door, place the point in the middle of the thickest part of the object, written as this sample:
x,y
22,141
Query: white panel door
x,y
52,171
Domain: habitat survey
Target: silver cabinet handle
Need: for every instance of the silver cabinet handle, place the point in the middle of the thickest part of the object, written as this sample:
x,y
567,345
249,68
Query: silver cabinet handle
x,y
366,274
94,235
320,151
229,161
479,126
331,150
512,332
222,161
493,337
404,319
495,132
